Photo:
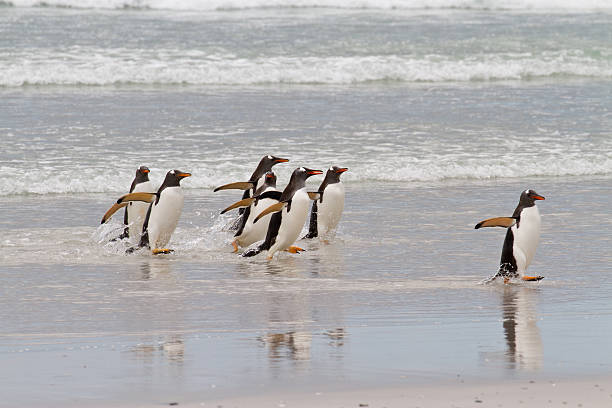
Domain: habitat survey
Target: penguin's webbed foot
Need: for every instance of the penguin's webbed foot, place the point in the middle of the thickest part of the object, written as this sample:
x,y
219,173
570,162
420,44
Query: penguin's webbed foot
x,y
250,252
294,249
131,250
158,251
235,245
532,278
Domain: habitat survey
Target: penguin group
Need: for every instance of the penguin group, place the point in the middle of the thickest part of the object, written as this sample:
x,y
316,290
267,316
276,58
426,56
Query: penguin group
x,y
277,217
163,210
274,218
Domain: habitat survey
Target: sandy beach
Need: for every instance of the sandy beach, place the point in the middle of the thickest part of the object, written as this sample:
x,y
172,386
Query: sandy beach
x,y
595,392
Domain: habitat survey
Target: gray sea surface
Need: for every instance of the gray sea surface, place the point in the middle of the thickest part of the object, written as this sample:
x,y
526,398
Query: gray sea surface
x,y
443,117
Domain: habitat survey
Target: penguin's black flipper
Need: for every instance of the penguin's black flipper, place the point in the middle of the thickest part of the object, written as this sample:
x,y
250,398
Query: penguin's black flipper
x,y
315,195
274,208
239,204
504,222
115,207
125,200
312,227
240,185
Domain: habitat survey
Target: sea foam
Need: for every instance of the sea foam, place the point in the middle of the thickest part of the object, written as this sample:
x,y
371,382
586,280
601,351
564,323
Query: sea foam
x,y
401,169
98,67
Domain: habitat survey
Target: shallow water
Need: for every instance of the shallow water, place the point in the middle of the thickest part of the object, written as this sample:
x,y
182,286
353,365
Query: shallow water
x,y
396,301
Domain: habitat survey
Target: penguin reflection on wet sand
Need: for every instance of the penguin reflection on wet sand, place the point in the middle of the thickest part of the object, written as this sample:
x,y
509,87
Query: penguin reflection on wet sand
x,y
522,237
327,209
250,187
253,232
289,215
163,213
135,211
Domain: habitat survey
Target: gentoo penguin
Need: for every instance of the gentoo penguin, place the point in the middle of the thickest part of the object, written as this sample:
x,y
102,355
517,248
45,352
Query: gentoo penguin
x,y
290,213
250,232
522,237
136,211
250,187
327,210
163,213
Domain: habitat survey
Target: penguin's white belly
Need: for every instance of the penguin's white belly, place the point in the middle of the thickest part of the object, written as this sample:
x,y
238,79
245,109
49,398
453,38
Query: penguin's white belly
x,y
164,217
252,233
526,237
292,222
329,211
137,210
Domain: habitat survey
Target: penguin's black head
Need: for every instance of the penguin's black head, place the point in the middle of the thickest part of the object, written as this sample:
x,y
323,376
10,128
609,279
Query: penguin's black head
x,y
265,165
270,179
268,161
529,197
333,174
142,174
304,172
174,177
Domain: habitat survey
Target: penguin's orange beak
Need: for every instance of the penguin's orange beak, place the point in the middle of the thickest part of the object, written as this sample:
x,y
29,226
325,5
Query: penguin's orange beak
x,y
145,171
342,170
183,175
314,172
538,197
279,160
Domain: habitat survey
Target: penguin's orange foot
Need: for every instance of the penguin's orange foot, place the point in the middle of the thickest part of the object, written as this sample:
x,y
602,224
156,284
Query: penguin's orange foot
x,y
158,251
294,249
532,278
235,245
506,280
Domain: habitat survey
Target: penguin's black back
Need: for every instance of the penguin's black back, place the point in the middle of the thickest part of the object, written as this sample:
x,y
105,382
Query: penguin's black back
x,y
313,230
507,263
273,227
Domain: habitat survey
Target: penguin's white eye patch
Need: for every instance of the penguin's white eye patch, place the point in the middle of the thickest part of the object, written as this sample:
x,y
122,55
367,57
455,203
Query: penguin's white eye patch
x,y
331,168
302,169
269,157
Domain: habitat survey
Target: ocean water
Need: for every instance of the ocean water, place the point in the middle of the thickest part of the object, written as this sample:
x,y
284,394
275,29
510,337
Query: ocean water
x,y
444,111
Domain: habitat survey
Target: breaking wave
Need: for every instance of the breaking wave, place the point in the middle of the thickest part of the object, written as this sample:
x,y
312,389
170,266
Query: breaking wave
x,y
100,180
99,67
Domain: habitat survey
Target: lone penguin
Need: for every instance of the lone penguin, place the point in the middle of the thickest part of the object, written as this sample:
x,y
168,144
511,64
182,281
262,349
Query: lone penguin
x,y
522,237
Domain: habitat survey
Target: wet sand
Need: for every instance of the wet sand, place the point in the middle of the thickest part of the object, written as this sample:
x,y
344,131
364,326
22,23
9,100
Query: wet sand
x,y
595,392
